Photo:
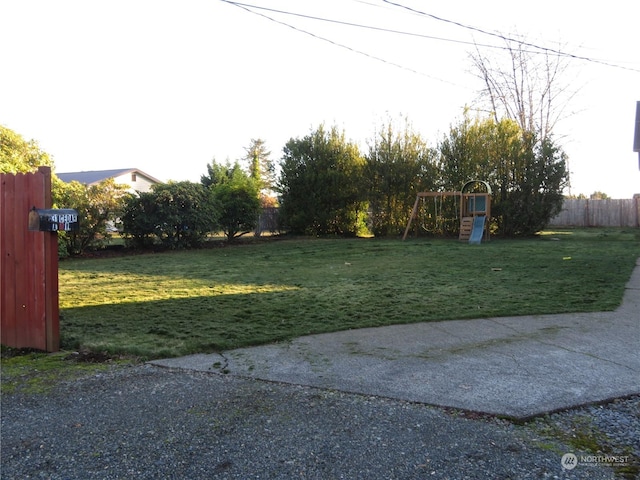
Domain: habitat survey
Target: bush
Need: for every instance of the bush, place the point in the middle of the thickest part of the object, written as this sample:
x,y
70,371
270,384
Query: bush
x,y
175,215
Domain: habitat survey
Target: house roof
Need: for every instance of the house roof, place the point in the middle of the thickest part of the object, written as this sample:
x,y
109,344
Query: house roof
x,y
96,176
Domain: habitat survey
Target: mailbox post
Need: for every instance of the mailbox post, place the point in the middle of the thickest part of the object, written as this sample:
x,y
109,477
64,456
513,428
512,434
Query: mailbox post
x,y
29,311
52,220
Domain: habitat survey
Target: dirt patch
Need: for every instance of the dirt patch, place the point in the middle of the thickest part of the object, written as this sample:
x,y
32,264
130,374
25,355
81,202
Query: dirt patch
x,y
85,356
89,357
10,352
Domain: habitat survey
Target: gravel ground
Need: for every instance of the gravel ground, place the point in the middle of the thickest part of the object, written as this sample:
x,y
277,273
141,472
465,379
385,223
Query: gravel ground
x,y
145,422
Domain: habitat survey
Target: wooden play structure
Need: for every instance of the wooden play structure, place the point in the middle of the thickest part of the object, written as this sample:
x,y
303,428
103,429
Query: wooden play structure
x,y
475,209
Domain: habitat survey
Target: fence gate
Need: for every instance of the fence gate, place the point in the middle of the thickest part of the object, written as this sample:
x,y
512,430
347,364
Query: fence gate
x,y
29,312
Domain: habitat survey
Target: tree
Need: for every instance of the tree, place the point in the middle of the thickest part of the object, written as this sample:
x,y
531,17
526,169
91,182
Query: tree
x,y
525,86
18,155
399,165
263,172
469,152
97,206
532,194
527,176
218,173
236,199
321,185
261,167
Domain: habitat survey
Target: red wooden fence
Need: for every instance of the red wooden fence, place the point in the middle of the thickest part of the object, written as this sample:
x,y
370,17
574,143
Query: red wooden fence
x,y
29,312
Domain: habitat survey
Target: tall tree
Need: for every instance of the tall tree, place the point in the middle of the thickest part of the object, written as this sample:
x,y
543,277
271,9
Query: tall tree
x,y
399,164
321,184
478,149
527,176
533,191
261,167
524,85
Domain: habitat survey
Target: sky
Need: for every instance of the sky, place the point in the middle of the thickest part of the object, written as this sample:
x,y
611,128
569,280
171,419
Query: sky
x,y
169,86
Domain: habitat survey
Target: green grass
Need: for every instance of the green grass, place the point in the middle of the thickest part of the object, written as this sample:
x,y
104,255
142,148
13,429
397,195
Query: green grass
x,y
38,373
169,304
584,437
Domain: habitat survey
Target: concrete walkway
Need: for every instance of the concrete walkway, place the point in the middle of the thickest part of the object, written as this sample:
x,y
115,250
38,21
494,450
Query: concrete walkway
x,y
517,367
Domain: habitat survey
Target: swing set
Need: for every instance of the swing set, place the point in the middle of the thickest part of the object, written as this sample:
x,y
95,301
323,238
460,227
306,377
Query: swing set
x,y
474,210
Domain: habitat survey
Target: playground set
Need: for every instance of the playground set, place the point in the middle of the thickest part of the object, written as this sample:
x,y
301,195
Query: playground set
x,y
475,210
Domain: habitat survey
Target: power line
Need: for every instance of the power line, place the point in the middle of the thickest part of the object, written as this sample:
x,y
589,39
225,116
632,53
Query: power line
x,y
509,39
358,25
537,48
249,8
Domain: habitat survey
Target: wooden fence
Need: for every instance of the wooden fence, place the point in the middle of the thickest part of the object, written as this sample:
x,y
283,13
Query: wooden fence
x,y
29,312
598,213
268,221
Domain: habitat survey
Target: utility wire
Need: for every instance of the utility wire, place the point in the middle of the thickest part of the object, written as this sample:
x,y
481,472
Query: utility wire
x,y
358,25
538,49
509,39
249,8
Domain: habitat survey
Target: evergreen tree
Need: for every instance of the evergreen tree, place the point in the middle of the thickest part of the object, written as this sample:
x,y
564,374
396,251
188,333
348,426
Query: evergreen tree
x,y
527,176
261,167
399,165
321,185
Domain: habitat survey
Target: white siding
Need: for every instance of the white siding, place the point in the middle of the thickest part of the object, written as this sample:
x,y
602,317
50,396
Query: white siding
x,y
140,184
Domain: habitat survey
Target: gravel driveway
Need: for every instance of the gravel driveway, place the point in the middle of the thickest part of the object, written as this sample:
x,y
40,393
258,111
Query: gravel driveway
x,y
148,422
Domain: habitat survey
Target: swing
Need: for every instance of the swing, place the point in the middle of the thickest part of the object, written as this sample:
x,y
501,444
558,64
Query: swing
x,y
442,214
435,214
437,218
424,216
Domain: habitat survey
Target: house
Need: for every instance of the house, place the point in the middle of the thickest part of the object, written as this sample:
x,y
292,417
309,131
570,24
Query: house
x,y
137,180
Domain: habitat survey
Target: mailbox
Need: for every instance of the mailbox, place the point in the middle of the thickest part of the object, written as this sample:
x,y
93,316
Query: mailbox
x,y
53,220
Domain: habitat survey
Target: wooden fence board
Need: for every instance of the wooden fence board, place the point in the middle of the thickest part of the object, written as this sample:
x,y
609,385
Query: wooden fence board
x,y
8,267
598,213
22,248
51,292
29,267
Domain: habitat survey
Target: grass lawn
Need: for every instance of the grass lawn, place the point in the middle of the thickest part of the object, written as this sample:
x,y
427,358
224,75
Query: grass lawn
x,y
176,303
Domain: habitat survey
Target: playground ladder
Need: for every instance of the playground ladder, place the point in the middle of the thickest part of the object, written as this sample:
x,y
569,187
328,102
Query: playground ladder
x,y
466,225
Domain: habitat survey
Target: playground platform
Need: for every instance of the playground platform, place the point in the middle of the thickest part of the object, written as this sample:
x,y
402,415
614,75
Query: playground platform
x,y
516,367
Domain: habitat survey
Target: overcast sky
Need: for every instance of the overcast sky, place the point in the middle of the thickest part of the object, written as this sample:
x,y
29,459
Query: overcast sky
x,y
167,86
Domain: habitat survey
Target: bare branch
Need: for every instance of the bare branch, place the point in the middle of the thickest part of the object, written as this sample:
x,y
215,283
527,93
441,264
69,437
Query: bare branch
x,y
524,87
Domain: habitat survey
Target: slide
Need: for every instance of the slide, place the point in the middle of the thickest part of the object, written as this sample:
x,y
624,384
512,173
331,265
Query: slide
x,y
478,230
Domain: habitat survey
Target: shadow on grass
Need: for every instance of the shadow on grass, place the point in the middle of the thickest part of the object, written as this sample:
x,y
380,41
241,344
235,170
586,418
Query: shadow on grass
x,y
180,326
206,301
